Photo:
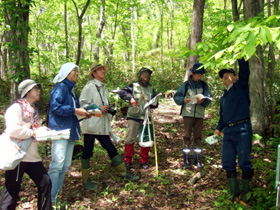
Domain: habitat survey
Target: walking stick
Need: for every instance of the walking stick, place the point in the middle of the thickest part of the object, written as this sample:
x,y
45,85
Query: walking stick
x,y
155,143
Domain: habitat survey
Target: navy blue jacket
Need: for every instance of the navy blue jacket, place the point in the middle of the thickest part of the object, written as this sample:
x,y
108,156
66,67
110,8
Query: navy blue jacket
x,y
235,102
62,109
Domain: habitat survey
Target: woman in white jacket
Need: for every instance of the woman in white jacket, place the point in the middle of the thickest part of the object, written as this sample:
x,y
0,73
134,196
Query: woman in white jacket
x,y
22,122
95,92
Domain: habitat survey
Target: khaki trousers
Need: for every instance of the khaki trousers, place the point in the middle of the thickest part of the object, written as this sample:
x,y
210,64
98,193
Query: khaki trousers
x,y
132,131
195,125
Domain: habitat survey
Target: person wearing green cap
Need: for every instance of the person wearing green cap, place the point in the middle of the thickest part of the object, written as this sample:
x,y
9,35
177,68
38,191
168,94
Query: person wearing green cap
x,y
137,94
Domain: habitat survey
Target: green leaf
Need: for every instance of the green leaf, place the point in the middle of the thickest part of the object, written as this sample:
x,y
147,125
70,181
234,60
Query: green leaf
x,y
256,137
262,34
250,47
219,54
277,44
230,27
242,37
269,35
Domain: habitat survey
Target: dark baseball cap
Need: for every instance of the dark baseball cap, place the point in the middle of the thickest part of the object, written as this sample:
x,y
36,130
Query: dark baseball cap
x,y
223,71
198,68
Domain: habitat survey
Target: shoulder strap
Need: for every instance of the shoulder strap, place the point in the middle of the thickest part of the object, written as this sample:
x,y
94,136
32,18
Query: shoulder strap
x,y
203,85
186,90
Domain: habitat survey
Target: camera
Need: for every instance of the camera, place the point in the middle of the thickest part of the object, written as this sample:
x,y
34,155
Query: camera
x,y
112,111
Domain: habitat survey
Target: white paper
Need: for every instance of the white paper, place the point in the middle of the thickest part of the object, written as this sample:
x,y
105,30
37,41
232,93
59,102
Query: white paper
x,y
200,97
53,135
152,100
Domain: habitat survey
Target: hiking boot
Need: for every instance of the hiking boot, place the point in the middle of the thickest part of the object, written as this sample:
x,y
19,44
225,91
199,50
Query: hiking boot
x,y
128,166
144,166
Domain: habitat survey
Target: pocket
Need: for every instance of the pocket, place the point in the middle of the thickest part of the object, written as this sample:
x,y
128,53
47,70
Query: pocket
x,y
93,125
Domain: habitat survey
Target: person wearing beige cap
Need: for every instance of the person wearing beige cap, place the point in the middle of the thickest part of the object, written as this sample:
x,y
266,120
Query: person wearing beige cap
x,y
64,105
22,123
96,94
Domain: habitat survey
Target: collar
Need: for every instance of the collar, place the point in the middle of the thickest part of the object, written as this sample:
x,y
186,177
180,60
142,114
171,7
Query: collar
x,y
69,84
98,83
229,87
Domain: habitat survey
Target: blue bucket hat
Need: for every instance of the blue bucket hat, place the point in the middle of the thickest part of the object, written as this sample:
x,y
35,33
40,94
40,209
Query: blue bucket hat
x,y
197,69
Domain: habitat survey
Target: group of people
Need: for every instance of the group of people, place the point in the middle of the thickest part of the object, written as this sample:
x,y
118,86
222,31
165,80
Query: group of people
x,y
22,122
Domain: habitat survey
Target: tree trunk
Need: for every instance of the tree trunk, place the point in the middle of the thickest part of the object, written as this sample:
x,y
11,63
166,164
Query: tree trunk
x,y
170,44
235,13
156,38
161,39
80,22
276,6
196,32
3,58
109,49
257,82
132,37
66,31
17,19
99,29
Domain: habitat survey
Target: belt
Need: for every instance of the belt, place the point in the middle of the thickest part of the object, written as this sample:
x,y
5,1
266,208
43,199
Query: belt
x,y
230,124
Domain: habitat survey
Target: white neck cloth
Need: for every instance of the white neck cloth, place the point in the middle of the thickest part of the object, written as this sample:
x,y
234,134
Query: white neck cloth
x,y
64,71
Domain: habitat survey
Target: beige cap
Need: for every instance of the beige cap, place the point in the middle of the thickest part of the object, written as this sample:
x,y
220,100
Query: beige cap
x,y
25,86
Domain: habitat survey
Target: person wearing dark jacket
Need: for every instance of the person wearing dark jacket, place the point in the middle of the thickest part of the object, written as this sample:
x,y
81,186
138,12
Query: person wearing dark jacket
x,y
190,96
64,105
236,125
137,94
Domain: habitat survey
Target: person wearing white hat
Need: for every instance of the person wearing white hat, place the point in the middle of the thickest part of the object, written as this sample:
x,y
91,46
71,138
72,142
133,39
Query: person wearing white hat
x,y
64,105
22,123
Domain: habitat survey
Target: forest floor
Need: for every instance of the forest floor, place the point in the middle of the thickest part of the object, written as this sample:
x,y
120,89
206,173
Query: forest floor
x,y
171,189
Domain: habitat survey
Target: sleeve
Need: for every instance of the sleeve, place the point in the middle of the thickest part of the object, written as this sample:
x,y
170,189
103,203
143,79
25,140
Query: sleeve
x,y
206,93
244,73
57,102
221,123
155,104
126,93
180,95
14,123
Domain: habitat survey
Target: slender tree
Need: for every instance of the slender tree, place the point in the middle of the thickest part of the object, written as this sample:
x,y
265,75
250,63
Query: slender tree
x,y
66,31
235,13
132,35
100,29
196,32
80,22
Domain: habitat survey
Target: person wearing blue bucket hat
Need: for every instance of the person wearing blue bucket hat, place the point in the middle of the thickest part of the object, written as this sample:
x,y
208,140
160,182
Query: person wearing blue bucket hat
x,y
192,111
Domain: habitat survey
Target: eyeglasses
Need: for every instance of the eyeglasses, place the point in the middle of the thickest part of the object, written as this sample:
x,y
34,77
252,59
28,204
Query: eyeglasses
x,y
100,69
75,71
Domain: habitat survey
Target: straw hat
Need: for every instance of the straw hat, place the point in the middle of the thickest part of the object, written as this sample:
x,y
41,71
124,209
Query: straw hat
x,y
94,67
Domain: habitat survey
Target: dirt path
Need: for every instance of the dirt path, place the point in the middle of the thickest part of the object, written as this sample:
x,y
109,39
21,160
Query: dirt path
x,y
170,190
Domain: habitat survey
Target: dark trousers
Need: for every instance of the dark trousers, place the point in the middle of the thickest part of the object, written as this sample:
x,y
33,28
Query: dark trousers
x,y
237,142
105,142
195,125
13,178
